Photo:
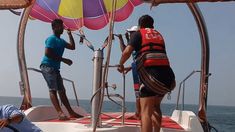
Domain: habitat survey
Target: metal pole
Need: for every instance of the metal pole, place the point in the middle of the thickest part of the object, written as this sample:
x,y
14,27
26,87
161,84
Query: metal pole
x,y
183,96
124,99
105,72
97,76
65,79
24,83
204,62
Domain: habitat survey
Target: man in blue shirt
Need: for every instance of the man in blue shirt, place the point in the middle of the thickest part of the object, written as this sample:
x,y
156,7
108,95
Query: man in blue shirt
x,y
133,67
12,117
50,66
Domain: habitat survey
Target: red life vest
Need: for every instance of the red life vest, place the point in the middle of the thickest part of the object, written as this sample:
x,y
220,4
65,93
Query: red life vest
x,y
154,47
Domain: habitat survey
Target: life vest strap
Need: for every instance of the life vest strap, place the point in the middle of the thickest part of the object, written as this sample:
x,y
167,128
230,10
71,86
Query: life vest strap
x,y
155,59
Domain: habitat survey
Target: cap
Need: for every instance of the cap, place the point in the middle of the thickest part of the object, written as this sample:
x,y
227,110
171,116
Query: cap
x,y
132,29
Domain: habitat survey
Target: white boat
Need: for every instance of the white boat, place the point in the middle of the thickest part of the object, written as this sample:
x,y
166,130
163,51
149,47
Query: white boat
x,y
45,117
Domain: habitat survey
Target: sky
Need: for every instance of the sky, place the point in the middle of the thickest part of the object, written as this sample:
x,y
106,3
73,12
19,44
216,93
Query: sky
x,y
176,24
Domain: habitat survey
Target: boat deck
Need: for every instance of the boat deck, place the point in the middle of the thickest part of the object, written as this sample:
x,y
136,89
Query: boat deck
x,y
46,118
115,119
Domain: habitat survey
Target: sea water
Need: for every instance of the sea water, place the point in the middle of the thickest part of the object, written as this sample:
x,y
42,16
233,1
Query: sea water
x,y
220,117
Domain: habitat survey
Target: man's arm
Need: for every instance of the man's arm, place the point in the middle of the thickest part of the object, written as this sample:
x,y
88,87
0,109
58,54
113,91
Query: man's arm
x,y
71,44
127,37
50,54
121,42
125,56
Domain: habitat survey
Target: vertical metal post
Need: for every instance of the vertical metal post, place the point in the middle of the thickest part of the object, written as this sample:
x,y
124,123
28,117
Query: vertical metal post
x,y
106,69
204,63
24,83
97,76
124,99
183,96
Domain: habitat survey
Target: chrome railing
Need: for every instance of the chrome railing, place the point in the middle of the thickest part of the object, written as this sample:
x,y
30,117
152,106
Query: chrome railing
x,y
182,84
123,97
109,95
65,79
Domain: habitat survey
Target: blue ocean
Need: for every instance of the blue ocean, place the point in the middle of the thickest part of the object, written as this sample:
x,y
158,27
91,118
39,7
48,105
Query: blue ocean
x,y
220,117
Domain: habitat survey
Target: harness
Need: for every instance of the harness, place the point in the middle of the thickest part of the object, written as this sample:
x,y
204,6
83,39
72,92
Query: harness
x,y
153,48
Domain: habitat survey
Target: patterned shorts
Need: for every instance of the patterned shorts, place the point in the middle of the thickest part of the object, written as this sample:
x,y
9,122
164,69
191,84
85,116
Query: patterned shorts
x,y
52,77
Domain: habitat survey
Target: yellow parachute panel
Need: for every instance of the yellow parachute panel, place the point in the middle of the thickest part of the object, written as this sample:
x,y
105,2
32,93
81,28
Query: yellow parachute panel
x,y
120,4
71,8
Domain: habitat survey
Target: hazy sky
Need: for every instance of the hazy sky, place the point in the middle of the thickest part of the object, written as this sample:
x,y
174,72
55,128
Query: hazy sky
x,y
176,24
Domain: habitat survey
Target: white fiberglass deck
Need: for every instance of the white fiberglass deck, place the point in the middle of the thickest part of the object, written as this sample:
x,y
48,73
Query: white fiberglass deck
x,y
45,117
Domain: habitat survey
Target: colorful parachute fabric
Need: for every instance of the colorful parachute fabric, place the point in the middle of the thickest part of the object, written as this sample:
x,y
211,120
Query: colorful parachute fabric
x,y
93,14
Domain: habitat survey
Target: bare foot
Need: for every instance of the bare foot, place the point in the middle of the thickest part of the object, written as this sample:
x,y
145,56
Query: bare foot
x,y
137,116
134,117
62,117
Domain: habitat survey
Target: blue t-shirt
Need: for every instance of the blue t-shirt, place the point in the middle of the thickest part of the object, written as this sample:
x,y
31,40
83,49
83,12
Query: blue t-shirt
x,y
25,125
57,45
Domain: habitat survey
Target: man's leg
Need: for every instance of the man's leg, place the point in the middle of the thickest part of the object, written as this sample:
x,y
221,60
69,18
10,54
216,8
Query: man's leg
x,y
65,101
137,113
157,115
51,76
56,104
147,105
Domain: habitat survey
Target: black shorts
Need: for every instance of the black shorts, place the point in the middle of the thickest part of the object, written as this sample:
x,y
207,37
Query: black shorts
x,y
164,74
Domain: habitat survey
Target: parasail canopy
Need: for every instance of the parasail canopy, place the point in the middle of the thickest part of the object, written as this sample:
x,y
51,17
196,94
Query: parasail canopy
x,y
93,14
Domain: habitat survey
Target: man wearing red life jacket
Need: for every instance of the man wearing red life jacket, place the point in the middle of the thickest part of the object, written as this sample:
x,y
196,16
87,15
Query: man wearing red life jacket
x,y
154,71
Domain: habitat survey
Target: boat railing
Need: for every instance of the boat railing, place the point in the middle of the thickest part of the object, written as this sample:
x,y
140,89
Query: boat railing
x,y
121,97
182,85
65,79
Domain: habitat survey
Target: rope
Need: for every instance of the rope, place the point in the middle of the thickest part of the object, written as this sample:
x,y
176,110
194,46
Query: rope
x,y
87,42
150,81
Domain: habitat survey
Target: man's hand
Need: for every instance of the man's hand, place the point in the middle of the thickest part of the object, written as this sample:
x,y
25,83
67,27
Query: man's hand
x,y
127,36
3,123
127,69
71,44
69,32
120,68
119,36
67,61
